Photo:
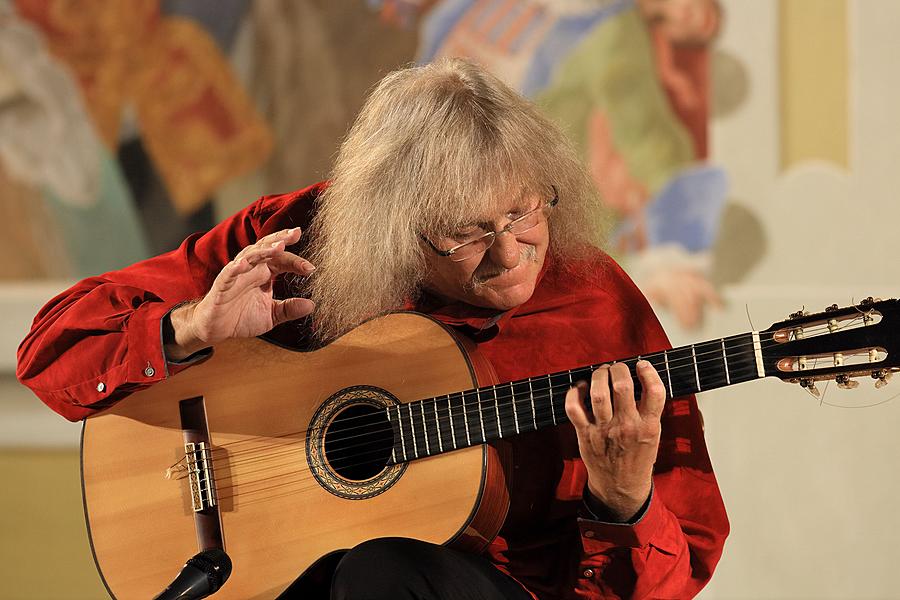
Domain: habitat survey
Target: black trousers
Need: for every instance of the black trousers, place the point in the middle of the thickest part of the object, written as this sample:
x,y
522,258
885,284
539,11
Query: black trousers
x,y
405,569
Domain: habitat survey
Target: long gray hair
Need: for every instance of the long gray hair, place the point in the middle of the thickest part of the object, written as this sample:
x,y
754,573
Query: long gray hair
x,y
432,148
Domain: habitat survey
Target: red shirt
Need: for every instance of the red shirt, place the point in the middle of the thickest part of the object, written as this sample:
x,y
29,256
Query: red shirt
x,y
101,340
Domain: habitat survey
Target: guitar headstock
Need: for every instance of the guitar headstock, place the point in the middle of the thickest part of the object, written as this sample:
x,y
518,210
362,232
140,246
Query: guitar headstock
x,y
839,343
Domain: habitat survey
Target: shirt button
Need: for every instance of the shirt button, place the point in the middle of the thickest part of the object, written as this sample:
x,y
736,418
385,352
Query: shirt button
x,y
149,371
101,387
588,534
588,573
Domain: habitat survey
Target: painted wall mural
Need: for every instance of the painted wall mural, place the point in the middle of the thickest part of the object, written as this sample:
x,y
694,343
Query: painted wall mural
x,y
174,123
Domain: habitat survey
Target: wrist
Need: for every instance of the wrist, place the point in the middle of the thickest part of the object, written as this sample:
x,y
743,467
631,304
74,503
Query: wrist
x,y
179,337
617,505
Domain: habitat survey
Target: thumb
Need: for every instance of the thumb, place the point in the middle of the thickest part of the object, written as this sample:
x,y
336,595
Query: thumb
x,y
291,308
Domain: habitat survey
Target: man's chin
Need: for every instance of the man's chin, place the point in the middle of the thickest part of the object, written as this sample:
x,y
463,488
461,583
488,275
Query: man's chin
x,y
503,298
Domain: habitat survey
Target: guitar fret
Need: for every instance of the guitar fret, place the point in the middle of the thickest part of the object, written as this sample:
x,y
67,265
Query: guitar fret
x,y
725,359
480,414
512,396
466,418
531,398
425,429
412,427
497,410
696,371
668,374
452,428
402,437
712,364
437,420
683,371
741,353
552,407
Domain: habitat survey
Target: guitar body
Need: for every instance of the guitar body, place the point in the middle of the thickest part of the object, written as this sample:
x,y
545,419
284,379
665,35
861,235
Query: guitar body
x,y
280,507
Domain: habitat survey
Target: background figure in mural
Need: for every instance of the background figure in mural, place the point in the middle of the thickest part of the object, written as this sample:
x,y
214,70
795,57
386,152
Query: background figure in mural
x,y
165,105
629,81
60,188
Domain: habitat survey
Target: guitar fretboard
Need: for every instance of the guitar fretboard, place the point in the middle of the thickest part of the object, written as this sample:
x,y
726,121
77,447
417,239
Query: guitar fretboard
x,y
435,425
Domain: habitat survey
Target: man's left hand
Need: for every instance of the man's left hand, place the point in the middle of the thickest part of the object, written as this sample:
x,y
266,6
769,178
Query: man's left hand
x,y
618,439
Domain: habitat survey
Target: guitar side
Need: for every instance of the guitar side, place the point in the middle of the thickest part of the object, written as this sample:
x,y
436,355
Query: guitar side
x,y
276,517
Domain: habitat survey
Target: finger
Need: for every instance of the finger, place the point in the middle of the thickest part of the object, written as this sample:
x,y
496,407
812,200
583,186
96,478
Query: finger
x,y
229,275
286,236
258,276
601,406
288,262
622,391
575,405
653,392
257,254
289,236
291,309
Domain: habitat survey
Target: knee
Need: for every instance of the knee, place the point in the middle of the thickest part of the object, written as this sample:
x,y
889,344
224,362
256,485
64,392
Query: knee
x,y
384,568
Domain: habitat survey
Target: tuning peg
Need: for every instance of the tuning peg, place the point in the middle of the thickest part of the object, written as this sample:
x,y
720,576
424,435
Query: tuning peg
x,y
800,313
831,308
881,377
810,387
845,383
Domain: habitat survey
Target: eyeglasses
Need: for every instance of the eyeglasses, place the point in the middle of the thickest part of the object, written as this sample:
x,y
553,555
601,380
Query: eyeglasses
x,y
480,240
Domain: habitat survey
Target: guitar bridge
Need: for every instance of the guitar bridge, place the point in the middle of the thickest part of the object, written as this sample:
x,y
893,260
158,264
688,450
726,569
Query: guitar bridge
x,y
199,467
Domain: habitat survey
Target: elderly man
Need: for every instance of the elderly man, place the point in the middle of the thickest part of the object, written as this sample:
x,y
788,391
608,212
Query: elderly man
x,y
452,196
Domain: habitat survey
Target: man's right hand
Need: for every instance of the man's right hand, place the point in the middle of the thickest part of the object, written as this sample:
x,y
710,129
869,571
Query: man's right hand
x,y
240,303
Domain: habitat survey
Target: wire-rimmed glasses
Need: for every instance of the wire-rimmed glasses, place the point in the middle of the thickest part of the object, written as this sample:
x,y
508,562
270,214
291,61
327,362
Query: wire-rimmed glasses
x,y
481,240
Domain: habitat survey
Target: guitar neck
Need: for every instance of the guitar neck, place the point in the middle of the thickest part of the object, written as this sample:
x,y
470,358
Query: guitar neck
x,y
435,425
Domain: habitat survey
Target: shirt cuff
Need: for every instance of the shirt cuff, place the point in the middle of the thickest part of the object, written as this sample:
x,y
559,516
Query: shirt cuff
x,y
594,509
599,536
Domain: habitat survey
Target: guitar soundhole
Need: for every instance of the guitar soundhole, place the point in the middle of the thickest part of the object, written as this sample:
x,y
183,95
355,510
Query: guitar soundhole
x,y
358,442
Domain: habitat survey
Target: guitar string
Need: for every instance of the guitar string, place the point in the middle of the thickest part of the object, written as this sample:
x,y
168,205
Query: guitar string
x,y
673,364
545,412
244,492
265,458
304,471
444,414
258,455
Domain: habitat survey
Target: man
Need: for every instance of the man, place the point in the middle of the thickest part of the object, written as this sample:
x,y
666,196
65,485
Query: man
x,y
453,196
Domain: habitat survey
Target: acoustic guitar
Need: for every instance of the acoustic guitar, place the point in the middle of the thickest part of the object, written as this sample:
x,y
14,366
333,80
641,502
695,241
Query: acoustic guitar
x,y
285,458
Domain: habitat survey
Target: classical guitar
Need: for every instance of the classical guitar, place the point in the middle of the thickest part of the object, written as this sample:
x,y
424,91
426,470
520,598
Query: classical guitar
x,y
284,458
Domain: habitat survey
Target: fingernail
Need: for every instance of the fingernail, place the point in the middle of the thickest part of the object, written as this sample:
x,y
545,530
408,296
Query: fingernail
x,y
643,364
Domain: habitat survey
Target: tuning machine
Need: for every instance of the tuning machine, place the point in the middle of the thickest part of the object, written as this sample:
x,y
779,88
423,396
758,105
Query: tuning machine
x,y
799,314
881,377
810,386
845,383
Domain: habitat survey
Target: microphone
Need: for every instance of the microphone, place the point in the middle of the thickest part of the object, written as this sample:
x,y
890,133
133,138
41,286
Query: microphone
x,y
201,576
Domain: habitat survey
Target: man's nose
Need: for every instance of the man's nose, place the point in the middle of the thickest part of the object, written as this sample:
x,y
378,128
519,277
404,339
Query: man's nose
x,y
505,250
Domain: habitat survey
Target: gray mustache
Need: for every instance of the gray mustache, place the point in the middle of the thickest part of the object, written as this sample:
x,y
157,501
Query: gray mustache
x,y
526,254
